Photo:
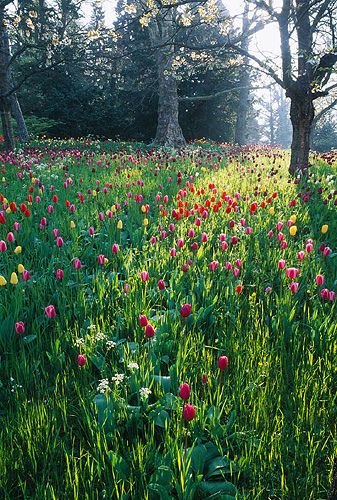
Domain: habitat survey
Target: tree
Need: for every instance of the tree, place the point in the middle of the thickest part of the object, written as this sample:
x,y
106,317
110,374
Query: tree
x,y
306,71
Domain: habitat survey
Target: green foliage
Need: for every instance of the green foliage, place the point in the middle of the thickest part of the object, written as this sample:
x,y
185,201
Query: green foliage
x,y
113,428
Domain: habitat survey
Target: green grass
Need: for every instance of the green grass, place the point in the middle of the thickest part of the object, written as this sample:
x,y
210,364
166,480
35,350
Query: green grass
x,y
265,428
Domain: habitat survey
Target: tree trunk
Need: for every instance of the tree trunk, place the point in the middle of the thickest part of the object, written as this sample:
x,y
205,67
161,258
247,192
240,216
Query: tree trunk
x,y
169,133
5,85
18,116
301,115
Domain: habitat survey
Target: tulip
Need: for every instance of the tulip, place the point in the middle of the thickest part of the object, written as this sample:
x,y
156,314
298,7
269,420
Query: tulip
x,y
239,289
3,246
214,265
143,321
144,275
115,248
292,272
319,280
3,281
325,293
72,224
184,392
100,259
149,331
10,237
185,310
81,360
326,251
173,252
267,290
325,228
26,275
224,245
180,243
50,311
188,412
120,224
59,274
222,363
204,379
293,230
161,285
20,327
293,287
309,247
20,268
59,242
14,279
301,255
77,263
204,237
332,296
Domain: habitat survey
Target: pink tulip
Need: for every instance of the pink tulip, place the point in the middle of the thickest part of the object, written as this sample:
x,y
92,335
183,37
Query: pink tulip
x,y
214,265
292,272
20,327
59,241
224,246
204,237
325,293
81,360
222,363
144,276
173,252
77,263
332,296
293,287
149,331
281,264
326,251
59,274
301,255
50,311
100,259
180,243
3,246
10,237
26,275
143,321
115,248
319,279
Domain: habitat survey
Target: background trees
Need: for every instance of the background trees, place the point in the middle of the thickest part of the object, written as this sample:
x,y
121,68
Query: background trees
x,y
164,72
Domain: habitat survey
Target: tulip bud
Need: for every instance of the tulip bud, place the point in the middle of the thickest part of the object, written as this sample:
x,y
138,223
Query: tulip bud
x,y
188,412
222,363
184,392
81,360
20,327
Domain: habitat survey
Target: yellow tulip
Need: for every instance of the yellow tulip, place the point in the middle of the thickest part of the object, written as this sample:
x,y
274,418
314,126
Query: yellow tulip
x,y
293,230
18,249
3,281
146,222
3,179
113,209
106,261
8,210
272,210
325,228
20,268
14,279
94,193
72,224
119,224
293,218
143,209
33,180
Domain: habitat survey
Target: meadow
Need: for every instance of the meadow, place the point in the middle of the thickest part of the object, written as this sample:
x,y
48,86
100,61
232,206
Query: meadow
x,y
167,323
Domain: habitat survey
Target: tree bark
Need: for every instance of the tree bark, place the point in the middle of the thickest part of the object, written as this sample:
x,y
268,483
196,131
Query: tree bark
x,y
5,85
302,116
169,132
18,116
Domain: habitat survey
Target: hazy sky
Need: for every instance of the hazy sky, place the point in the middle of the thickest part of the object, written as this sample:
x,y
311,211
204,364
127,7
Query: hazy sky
x,y
265,42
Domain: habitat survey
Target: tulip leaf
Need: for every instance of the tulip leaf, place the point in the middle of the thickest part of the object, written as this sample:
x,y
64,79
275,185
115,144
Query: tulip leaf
x,y
165,382
29,338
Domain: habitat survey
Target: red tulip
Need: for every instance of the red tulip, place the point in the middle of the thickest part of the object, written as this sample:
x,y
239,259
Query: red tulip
x,y
185,310
184,392
149,331
143,321
59,274
161,285
188,412
115,248
81,360
222,363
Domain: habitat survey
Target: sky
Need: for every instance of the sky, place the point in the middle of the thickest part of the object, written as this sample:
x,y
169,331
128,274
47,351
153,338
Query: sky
x,y
266,42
